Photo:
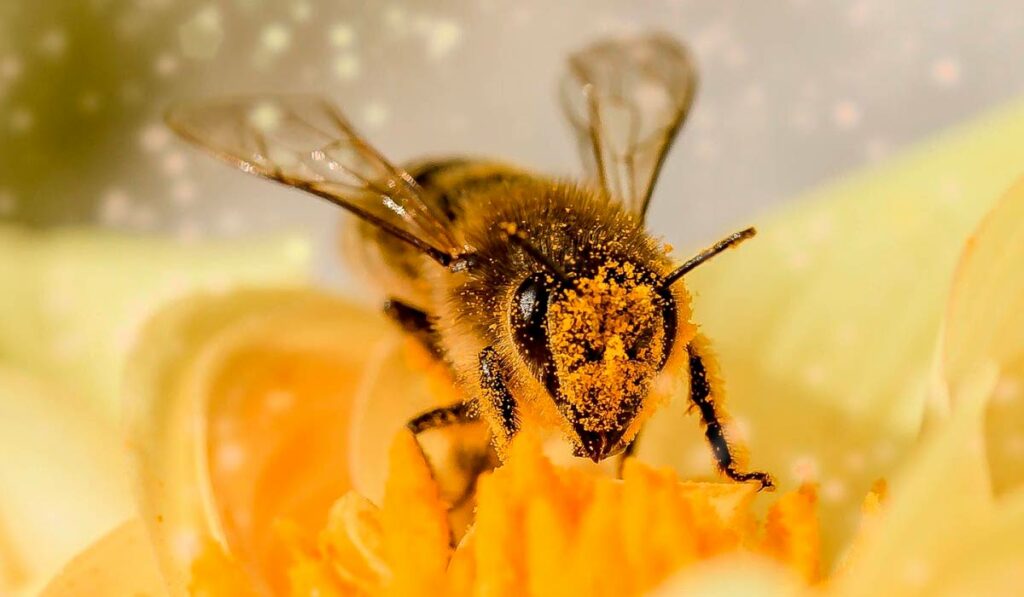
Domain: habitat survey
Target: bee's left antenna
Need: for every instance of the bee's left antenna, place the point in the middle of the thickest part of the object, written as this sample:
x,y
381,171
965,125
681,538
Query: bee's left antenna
x,y
729,241
518,237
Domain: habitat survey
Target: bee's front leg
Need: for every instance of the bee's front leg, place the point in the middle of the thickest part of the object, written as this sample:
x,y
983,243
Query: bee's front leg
x,y
703,390
498,401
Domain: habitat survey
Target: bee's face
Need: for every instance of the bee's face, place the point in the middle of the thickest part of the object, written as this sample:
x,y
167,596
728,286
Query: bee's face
x,y
599,344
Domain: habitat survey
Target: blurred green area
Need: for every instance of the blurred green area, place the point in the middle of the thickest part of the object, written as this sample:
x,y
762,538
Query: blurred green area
x,y
74,77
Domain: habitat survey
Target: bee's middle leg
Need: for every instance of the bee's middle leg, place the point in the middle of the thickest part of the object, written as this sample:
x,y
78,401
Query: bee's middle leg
x,y
702,395
444,416
416,323
469,460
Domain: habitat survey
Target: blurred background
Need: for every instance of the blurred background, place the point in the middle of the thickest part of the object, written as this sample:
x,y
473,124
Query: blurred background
x,y
793,93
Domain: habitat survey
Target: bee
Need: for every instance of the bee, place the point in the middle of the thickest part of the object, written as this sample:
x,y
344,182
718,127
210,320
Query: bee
x,y
548,299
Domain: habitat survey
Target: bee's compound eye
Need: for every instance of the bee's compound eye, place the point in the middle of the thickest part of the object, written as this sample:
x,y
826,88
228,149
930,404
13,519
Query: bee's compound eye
x,y
531,301
531,305
527,314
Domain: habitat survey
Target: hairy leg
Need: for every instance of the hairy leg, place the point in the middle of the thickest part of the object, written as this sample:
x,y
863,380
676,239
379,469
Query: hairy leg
x,y
499,405
705,394
444,416
416,323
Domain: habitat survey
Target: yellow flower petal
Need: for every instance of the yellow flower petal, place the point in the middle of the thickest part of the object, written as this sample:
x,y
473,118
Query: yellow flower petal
x,y
988,560
216,574
731,576
121,563
62,482
352,542
72,304
75,299
985,328
238,409
942,514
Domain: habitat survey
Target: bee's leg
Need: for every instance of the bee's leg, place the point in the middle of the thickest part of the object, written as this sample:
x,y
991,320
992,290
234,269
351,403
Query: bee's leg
x,y
499,399
702,393
444,416
415,322
471,462
474,464
467,462
629,451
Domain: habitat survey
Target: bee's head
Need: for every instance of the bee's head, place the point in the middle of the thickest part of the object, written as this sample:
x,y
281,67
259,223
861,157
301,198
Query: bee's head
x,y
598,344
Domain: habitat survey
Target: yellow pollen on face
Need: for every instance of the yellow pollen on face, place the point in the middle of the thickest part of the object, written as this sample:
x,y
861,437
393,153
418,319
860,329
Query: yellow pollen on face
x,y
606,337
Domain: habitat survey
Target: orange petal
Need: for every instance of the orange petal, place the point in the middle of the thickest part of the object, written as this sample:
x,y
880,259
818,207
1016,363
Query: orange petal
x,y
240,411
415,522
792,535
215,573
353,541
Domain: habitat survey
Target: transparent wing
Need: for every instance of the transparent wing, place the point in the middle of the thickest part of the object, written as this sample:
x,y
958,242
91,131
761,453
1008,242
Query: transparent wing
x,y
626,100
305,142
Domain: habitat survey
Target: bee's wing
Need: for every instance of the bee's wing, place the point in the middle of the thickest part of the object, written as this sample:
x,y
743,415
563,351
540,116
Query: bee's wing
x,y
626,100
305,142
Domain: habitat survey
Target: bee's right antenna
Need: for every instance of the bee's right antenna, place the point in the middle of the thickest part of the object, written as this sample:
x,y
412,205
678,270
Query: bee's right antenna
x,y
517,236
729,241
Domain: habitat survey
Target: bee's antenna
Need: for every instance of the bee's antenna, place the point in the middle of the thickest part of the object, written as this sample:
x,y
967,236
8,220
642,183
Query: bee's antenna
x,y
729,241
517,236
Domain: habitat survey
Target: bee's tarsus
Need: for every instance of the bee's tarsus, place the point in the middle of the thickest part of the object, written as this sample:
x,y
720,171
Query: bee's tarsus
x,y
729,241
764,479
702,396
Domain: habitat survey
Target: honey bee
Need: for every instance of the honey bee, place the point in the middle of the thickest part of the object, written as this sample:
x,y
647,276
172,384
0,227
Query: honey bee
x,y
549,301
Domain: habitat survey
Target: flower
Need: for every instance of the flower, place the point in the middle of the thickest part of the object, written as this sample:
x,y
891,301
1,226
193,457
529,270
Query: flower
x,y
73,301
545,530
844,351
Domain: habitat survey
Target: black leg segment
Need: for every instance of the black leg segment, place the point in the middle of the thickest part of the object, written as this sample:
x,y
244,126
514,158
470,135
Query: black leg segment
x,y
629,451
444,416
414,322
497,395
701,395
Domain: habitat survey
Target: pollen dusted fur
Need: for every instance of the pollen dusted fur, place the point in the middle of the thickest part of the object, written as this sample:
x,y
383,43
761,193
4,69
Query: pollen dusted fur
x,y
595,241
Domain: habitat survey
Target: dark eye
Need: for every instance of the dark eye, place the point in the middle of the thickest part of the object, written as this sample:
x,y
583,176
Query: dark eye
x,y
529,309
